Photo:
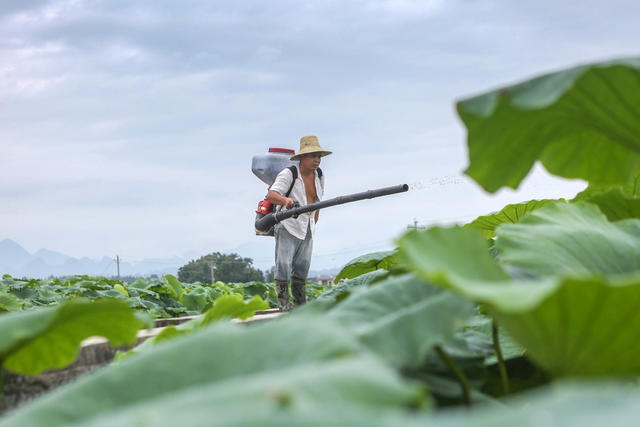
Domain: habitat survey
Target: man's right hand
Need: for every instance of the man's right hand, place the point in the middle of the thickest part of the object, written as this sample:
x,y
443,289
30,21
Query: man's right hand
x,y
289,202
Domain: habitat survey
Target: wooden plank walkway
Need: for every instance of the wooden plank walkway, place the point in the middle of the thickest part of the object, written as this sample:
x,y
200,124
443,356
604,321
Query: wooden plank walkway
x,y
160,324
178,320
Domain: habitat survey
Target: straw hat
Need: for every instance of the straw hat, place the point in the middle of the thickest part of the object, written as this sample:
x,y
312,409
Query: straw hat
x,y
309,144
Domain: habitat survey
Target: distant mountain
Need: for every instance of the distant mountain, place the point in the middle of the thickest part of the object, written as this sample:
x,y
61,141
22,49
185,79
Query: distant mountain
x,y
12,255
52,257
17,261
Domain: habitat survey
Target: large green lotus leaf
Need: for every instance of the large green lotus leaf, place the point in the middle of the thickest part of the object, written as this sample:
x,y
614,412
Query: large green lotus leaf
x,y
563,238
366,263
196,299
403,318
583,122
34,341
232,306
264,415
566,404
275,366
142,284
175,287
314,290
263,290
569,326
578,404
344,390
457,258
612,202
26,295
590,404
582,327
120,288
48,295
344,289
584,404
616,202
486,224
225,307
480,328
443,254
9,302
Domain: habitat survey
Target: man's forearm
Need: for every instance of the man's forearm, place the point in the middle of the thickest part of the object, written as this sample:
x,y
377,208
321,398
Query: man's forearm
x,y
276,198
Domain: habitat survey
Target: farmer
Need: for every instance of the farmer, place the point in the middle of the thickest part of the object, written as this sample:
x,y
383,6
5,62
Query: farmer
x,y
294,236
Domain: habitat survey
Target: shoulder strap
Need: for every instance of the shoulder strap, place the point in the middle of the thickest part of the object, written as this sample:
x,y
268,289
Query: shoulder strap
x,y
321,178
294,172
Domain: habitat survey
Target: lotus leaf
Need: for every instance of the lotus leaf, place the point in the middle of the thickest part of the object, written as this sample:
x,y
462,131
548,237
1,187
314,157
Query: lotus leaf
x,y
175,287
49,338
486,224
231,306
403,317
563,238
9,302
196,299
582,122
366,263
582,325
616,202
273,367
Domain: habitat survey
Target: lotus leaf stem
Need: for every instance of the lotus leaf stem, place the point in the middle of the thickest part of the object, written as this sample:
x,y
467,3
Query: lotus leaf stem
x,y
1,383
462,378
502,368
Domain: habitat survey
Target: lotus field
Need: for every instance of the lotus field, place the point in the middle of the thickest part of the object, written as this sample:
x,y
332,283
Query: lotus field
x,y
163,298
527,316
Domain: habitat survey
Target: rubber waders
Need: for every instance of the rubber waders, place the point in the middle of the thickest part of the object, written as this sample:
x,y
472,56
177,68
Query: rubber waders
x,y
282,287
299,291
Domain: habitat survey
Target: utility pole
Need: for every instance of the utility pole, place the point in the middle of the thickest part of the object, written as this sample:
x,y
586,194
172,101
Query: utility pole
x,y
118,264
213,277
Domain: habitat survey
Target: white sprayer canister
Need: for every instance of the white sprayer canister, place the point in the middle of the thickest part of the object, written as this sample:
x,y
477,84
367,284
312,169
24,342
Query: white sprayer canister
x,y
267,166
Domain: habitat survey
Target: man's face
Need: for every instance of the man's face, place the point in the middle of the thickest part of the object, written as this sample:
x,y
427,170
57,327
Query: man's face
x,y
310,161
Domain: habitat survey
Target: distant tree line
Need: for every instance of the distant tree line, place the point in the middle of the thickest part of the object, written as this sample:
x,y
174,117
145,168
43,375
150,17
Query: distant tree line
x,y
130,278
227,268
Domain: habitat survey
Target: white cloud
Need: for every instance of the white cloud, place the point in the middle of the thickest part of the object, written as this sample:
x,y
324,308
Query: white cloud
x,y
414,9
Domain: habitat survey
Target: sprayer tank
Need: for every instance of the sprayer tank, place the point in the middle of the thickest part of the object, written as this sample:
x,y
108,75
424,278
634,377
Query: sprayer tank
x,y
267,166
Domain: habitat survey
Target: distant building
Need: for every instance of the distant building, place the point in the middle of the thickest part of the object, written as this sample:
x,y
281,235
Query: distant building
x,y
322,280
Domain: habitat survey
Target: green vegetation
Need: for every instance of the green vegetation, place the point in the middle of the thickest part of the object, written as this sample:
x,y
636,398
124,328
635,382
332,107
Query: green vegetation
x,y
366,263
33,341
166,297
38,340
486,224
527,316
225,307
225,267
579,123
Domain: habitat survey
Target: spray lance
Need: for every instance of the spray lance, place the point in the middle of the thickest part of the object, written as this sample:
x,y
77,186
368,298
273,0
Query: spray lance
x,y
267,166
265,222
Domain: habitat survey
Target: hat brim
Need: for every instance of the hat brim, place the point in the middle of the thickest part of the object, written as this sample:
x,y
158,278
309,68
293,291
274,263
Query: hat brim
x,y
322,154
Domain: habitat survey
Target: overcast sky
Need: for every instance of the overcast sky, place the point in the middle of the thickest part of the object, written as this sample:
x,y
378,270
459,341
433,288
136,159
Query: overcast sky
x,y
128,127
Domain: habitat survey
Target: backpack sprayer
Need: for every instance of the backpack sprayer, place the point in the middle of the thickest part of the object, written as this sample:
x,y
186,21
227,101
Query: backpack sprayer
x,y
267,166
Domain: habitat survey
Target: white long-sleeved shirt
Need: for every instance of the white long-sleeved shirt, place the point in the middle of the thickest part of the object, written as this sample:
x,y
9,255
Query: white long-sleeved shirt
x,y
298,226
